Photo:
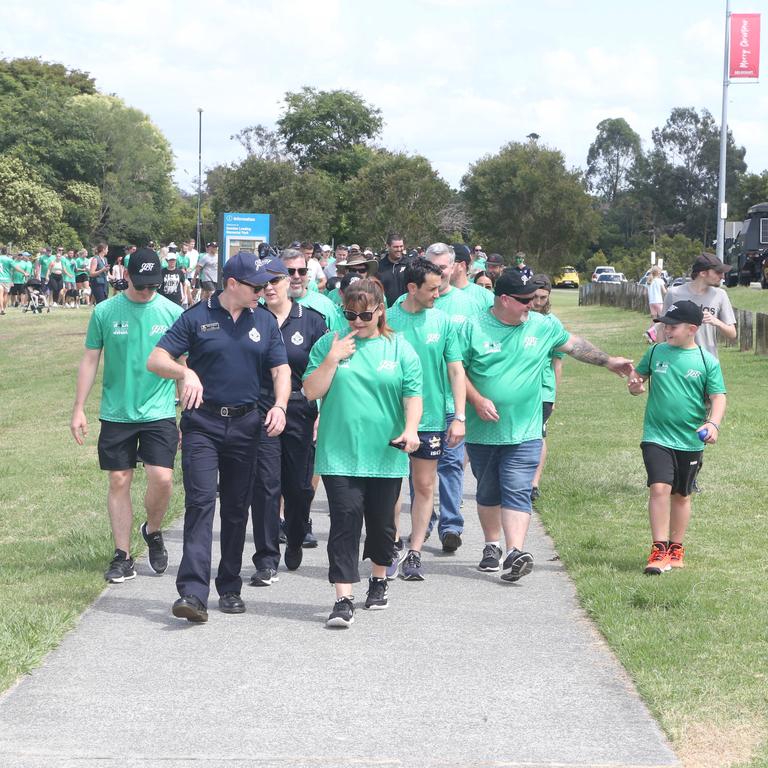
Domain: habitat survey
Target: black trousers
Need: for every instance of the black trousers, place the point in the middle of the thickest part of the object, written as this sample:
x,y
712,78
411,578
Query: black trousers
x,y
352,500
284,467
223,449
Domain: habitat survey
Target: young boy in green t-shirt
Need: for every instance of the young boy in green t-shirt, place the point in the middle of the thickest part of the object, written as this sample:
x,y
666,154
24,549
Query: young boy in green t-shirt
x,y
683,378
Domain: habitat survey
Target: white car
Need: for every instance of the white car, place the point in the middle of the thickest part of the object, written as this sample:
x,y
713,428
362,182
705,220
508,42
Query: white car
x,y
601,271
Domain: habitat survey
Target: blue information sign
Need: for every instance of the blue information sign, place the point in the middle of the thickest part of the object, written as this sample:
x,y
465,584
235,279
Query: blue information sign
x,y
242,232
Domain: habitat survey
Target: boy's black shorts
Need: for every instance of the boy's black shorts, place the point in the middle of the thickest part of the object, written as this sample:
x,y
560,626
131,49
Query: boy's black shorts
x,y
432,446
676,468
120,444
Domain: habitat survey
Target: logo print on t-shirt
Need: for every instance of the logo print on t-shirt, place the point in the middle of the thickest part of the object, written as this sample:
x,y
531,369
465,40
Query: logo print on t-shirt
x,y
692,374
297,339
158,329
254,335
530,341
120,328
491,346
433,338
387,365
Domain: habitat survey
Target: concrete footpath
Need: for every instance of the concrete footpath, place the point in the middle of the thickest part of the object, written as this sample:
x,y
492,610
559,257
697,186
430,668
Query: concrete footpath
x,y
461,670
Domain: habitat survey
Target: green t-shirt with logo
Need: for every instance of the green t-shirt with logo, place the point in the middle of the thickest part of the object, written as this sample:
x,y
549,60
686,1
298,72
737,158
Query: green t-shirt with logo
x,y
506,364
127,331
459,309
17,277
363,408
44,261
335,296
482,298
327,309
68,273
435,340
6,268
676,407
81,265
182,261
548,382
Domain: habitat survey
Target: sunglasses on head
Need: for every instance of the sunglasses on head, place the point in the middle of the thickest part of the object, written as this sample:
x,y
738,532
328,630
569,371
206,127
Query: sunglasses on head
x,y
366,317
297,271
254,288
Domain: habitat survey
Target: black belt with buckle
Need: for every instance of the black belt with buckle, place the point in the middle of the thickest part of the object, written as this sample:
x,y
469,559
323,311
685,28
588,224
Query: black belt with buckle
x,y
228,411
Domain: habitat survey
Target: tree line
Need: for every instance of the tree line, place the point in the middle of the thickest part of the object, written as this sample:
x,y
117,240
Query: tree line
x,y
77,166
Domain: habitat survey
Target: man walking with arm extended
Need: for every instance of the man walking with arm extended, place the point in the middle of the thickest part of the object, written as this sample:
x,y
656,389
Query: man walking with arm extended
x,y
505,353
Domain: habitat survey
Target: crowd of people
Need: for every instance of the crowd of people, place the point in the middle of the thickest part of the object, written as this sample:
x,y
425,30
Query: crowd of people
x,y
306,363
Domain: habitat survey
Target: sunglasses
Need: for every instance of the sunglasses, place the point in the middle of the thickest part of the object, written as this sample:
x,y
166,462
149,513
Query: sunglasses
x,y
145,287
363,270
254,288
276,280
521,299
366,317
297,271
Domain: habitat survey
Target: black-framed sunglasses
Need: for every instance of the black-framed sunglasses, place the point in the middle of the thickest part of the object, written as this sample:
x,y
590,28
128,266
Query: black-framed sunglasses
x,y
521,299
361,270
151,287
366,317
254,288
276,280
297,271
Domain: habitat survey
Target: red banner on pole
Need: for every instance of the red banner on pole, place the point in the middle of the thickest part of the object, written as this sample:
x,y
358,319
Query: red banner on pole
x,y
745,46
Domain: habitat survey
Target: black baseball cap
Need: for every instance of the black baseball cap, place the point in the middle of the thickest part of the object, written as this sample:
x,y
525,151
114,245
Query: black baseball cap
x,y
511,283
682,312
495,258
144,268
462,253
709,261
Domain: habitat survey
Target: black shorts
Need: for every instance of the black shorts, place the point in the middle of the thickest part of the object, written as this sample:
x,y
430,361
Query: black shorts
x,y
676,468
546,412
121,443
432,444
81,278
18,289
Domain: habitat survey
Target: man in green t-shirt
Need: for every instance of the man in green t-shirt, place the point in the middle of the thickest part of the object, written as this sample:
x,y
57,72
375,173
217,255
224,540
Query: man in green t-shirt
x,y
298,289
506,350
480,297
20,273
683,377
431,334
6,270
138,411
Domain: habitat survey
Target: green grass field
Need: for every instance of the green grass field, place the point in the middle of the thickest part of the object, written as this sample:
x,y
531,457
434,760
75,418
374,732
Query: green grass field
x,y
55,540
749,298
695,642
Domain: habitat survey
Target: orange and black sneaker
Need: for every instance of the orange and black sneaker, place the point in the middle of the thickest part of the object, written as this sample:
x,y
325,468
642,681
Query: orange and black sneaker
x,y
676,555
659,560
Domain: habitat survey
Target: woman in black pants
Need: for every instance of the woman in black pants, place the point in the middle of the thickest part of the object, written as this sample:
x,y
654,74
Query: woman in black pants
x,y
370,383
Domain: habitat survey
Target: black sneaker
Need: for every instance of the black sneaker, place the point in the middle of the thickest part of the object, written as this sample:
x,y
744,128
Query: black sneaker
x,y
231,602
158,554
516,565
491,558
120,569
264,577
377,599
343,613
292,557
190,608
451,541
310,540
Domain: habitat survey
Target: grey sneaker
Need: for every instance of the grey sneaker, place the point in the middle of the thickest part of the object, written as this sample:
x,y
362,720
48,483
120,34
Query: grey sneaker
x,y
265,577
516,565
491,561
411,570
397,558
377,599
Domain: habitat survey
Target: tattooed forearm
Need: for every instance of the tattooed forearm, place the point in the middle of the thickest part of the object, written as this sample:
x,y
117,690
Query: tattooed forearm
x,y
587,352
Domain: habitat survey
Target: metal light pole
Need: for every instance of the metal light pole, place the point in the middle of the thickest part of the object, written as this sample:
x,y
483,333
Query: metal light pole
x,y
199,171
722,212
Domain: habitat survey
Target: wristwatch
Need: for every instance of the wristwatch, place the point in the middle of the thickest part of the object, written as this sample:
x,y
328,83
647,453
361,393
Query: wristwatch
x,y
460,417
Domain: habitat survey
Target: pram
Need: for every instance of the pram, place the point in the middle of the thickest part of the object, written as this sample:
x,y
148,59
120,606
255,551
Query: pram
x,y
37,301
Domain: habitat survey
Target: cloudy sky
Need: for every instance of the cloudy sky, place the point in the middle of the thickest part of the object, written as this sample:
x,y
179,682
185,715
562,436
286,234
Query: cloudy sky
x,y
455,79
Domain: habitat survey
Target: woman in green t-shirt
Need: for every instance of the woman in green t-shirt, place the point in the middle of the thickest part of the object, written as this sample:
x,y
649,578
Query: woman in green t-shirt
x,y
370,383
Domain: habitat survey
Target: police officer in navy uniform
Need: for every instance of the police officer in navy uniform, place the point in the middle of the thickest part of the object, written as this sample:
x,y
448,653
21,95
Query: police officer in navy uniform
x,y
230,344
286,463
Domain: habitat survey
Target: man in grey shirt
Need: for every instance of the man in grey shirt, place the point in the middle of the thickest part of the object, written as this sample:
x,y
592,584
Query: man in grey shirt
x,y
208,270
705,291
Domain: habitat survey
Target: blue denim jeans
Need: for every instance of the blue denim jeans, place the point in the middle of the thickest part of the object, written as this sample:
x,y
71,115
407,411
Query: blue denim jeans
x,y
505,473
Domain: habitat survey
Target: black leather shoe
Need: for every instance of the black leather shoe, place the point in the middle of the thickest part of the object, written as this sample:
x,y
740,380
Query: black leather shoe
x,y
231,602
190,608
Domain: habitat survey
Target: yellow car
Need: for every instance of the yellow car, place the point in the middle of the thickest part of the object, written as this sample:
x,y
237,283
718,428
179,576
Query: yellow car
x,y
567,277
